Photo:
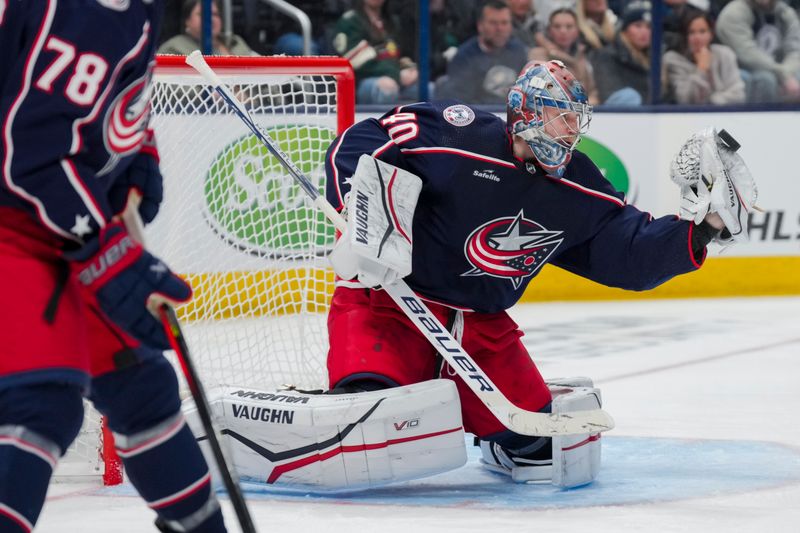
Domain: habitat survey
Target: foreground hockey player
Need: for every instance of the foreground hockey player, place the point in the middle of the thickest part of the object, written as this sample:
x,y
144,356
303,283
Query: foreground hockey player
x,y
467,208
74,90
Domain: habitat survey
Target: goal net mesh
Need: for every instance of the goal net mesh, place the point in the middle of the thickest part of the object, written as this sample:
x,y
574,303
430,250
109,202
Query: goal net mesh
x,y
239,229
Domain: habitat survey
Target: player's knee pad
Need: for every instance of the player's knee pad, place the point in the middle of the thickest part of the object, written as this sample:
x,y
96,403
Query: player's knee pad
x,y
566,461
339,441
137,398
50,414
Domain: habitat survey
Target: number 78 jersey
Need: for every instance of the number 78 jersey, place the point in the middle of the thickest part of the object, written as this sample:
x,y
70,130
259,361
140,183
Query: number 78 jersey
x,y
75,82
487,222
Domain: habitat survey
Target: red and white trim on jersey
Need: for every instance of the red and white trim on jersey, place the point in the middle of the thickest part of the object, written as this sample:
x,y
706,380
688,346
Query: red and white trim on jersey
x,y
696,262
29,447
30,63
590,192
77,183
279,470
150,442
457,152
336,169
181,494
379,151
20,520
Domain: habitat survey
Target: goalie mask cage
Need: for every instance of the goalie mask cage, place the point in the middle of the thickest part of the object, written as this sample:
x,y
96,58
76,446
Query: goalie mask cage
x,y
238,227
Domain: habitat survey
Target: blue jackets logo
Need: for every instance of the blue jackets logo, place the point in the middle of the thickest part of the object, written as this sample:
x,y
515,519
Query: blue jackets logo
x,y
513,248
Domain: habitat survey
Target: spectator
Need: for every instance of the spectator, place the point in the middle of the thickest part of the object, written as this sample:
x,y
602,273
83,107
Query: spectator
x,y
562,32
543,8
487,64
622,68
700,72
321,13
451,23
596,22
523,18
190,40
765,35
364,36
674,15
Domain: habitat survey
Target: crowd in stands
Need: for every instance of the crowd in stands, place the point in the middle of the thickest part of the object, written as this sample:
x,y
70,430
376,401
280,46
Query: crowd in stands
x,y
714,52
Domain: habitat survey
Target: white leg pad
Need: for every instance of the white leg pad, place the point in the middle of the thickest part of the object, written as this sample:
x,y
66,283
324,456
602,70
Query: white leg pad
x,y
576,458
340,441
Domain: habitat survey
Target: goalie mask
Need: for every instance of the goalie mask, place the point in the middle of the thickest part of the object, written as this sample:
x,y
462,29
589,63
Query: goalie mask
x,y
548,108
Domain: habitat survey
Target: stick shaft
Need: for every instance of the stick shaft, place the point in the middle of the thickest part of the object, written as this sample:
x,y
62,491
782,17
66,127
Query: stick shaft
x,y
169,319
175,335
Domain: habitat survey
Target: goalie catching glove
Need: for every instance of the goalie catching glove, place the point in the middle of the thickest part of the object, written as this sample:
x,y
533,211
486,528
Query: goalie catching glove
x,y
376,247
714,179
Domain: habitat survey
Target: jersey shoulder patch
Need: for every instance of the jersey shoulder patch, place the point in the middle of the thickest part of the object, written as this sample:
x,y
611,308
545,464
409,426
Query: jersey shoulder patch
x,y
459,115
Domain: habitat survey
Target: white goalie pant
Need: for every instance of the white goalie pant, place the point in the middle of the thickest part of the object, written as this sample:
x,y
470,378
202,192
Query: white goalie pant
x,y
337,441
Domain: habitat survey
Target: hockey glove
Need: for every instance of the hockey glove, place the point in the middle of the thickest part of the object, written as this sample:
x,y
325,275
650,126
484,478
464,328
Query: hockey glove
x,y
377,247
144,177
127,283
714,179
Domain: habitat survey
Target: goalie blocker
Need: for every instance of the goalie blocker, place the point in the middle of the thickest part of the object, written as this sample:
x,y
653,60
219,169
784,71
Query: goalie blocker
x,y
339,442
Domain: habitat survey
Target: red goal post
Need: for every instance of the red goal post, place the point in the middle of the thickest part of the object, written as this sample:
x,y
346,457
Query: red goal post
x,y
338,67
233,224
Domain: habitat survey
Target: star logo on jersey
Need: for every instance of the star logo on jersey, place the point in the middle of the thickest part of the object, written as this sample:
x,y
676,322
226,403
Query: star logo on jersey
x,y
513,248
82,226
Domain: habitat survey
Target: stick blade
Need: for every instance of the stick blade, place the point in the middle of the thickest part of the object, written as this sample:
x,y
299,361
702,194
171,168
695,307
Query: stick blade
x,y
549,424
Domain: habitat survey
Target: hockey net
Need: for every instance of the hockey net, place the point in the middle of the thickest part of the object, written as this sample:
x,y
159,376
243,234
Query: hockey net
x,y
238,228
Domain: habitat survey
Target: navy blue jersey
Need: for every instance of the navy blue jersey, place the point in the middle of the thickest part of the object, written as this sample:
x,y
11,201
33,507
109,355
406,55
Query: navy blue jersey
x,y
486,222
74,78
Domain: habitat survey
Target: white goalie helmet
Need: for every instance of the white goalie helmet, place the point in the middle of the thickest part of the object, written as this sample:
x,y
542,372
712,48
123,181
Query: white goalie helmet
x,y
548,108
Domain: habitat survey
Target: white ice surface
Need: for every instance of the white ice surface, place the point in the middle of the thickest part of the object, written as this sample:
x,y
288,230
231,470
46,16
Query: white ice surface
x,y
706,396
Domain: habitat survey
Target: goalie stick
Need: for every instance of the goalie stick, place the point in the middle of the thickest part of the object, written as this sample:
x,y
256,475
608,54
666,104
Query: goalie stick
x,y
514,418
172,329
